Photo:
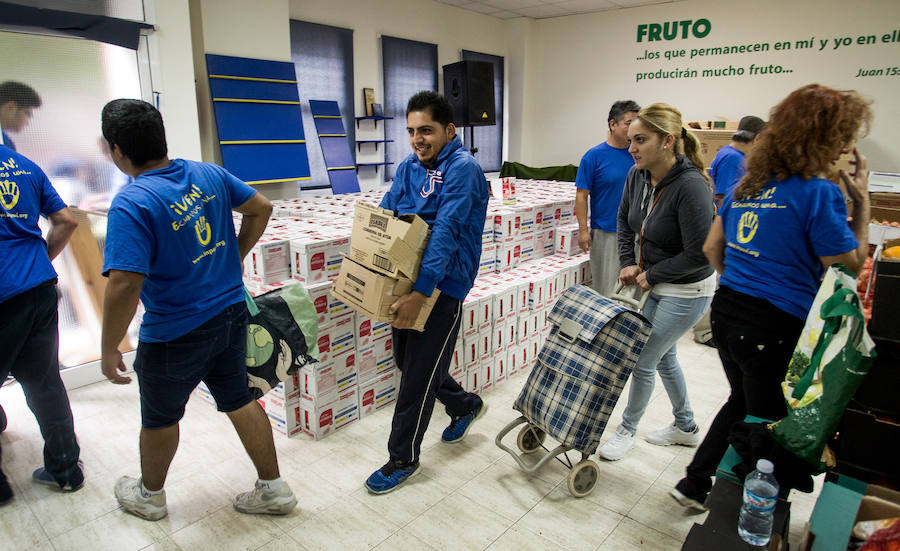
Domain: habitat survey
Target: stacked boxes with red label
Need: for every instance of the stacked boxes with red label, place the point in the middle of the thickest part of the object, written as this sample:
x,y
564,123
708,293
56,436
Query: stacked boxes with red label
x,y
504,318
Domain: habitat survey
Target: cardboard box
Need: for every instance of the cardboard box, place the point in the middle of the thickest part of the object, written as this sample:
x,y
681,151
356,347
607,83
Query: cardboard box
x,y
377,393
269,261
316,379
368,331
839,508
473,378
336,339
321,416
487,376
711,141
498,336
289,389
283,416
319,293
372,294
386,244
488,262
500,368
317,258
567,240
526,250
345,370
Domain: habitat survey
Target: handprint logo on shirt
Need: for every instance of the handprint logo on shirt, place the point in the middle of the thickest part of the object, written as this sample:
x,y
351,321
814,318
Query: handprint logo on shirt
x,y
747,227
9,194
204,232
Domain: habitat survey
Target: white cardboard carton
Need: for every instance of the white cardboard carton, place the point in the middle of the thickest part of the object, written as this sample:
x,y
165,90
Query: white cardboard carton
x,y
378,392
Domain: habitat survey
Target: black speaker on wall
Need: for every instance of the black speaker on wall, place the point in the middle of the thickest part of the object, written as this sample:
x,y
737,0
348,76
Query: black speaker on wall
x,y
469,86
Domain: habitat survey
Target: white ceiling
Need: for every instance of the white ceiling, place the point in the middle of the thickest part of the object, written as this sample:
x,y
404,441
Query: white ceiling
x,y
542,9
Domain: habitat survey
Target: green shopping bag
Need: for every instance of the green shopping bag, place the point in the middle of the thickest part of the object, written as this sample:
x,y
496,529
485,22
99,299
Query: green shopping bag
x,y
281,336
832,356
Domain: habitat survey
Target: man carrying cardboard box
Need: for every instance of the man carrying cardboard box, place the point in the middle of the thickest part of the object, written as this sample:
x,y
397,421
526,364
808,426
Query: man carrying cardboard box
x,y
443,184
170,242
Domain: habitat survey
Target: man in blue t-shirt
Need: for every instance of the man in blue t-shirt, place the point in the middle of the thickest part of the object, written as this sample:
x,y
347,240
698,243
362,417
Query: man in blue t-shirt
x,y
29,334
170,242
443,183
728,167
601,178
17,104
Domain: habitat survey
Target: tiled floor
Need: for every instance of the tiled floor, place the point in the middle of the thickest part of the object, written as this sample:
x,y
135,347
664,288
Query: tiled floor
x,y
468,496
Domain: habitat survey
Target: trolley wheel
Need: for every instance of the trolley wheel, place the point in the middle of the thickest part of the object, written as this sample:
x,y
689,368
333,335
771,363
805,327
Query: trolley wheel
x,y
583,478
530,439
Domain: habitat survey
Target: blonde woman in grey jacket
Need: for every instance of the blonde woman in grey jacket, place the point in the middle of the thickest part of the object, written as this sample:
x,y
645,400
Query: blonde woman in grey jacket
x,y
665,214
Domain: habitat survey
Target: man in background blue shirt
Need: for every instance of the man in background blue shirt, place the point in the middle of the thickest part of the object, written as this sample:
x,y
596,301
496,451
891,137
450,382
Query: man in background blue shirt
x,y
729,166
170,241
29,333
17,104
601,177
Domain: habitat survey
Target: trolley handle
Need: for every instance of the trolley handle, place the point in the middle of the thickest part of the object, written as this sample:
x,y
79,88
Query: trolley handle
x,y
635,299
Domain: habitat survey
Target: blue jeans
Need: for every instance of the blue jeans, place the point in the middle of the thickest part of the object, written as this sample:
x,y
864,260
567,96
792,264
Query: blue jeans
x,y
29,338
672,317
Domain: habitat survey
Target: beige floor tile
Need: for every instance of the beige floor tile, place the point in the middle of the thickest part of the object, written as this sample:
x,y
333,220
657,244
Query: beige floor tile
x,y
630,535
115,531
505,490
313,493
19,528
519,539
348,469
59,512
452,465
406,503
283,543
458,522
576,524
656,508
346,525
164,545
620,485
194,498
402,540
227,530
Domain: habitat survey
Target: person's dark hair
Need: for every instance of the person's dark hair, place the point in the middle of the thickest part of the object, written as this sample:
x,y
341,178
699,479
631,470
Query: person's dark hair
x,y
435,104
22,94
748,128
806,132
619,108
137,128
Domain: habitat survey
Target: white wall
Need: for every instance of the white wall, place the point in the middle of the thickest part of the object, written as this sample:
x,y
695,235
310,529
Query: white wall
x,y
579,65
173,78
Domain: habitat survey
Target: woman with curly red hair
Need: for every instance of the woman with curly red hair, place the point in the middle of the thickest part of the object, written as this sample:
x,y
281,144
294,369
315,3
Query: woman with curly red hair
x,y
773,238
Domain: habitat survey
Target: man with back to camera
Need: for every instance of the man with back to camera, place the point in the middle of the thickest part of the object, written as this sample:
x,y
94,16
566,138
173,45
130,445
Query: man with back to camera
x,y
601,177
29,330
726,171
170,242
729,166
17,104
443,183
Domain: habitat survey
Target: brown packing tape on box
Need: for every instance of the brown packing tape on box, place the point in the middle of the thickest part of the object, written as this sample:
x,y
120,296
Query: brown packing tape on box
x,y
372,294
388,244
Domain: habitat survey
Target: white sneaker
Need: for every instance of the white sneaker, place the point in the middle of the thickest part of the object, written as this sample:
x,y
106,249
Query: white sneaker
x,y
133,499
617,446
266,502
674,435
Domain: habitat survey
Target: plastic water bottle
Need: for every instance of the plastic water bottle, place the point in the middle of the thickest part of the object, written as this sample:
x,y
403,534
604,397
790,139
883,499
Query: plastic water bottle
x,y
760,495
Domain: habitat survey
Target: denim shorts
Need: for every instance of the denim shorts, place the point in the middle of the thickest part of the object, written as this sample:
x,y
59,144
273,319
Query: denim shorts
x,y
213,353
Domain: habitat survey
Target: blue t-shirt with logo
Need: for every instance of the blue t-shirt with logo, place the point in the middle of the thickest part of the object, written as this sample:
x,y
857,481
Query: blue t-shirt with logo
x,y
774,241
174,225
602,171
25,194
727,169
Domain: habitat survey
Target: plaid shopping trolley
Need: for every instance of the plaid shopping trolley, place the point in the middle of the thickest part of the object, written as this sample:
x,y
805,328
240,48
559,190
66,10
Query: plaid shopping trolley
x,y
576,381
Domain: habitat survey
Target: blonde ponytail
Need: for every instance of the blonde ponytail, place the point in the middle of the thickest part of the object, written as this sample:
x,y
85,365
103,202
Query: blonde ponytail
x,y
665,120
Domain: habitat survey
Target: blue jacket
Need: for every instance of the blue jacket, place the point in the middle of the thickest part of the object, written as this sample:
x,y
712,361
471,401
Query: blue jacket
x,y
452,198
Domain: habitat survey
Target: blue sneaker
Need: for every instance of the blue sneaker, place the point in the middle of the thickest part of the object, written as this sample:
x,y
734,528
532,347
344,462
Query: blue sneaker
x,y
459,426
41,476
391,476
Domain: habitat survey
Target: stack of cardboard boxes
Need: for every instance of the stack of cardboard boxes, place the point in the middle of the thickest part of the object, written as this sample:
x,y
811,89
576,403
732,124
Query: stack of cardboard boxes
x,y
310,240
